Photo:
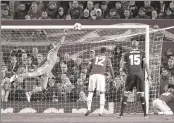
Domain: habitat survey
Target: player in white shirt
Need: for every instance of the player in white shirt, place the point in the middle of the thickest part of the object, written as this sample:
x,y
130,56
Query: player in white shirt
x,y
44,68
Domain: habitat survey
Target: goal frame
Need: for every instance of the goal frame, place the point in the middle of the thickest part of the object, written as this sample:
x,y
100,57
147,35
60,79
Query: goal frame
x,y
122,26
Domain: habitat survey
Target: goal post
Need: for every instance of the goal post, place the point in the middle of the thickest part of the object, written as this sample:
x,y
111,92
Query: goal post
x,y
100,38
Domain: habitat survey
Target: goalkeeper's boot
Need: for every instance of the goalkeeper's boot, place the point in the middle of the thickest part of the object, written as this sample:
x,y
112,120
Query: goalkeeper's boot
x,y
88,112
146,117
28,96
120,116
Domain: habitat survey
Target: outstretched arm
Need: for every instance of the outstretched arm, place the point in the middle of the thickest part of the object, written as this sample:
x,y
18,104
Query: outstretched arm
x,y
58,45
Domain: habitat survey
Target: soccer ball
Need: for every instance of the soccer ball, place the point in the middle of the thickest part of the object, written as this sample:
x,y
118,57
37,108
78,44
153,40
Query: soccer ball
x,y
77,26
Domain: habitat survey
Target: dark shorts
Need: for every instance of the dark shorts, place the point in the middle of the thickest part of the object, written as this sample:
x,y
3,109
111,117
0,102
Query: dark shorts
x,y
135,80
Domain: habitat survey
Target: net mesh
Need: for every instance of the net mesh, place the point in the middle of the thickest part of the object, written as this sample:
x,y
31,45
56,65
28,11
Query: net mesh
x,y
77,46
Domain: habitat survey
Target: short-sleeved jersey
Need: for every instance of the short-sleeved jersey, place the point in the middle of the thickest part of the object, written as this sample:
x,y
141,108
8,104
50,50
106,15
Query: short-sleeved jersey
x,y
167,97
134,61
99,64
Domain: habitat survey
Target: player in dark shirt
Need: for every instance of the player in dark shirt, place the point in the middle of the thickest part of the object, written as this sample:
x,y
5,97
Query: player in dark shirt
x,y
97,79
160,104
134,59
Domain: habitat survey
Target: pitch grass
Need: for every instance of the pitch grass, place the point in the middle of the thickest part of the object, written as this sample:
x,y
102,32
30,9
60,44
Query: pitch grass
x,y
80,118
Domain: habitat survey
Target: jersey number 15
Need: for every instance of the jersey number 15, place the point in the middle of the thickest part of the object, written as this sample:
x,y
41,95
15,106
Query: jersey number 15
x,y
134,59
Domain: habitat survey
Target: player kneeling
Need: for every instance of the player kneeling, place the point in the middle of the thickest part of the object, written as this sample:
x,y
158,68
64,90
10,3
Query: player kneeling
x,y
160,104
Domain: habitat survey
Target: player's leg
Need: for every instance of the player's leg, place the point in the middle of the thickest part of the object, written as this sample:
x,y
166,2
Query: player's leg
x,y
156,106
101,88
24,75
164,108
43,87
130,83
91,88
140,85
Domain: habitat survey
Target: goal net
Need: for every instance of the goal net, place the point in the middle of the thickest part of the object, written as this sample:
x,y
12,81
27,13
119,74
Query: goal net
x,y
24,47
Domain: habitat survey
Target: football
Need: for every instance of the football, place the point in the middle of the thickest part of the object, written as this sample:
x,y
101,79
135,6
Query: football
x,y
77,26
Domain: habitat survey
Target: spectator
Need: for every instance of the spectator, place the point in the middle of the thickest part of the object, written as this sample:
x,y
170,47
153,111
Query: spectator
x,y
116,59
171,81
162,6
34,12
61,13
148,8
127,14
154,14
21,12
52,90
118,9
30,66
98,14
104,8
86,14
23,60
142,14
13,66
5,14
169,14
164,80
67,60
5,89
52,10
90,6
166,57
171,7
133,8
112,15
125,5
44,15
39,58
171,66
75,11
68,17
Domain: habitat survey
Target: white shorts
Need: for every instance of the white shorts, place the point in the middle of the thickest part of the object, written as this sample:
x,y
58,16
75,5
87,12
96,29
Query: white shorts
x,y
44,70
97,81
160,106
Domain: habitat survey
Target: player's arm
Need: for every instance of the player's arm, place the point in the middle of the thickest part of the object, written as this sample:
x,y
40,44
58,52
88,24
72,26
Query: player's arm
x,y
111,68
61,41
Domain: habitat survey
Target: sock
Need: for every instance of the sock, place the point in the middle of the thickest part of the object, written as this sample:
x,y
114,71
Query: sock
x,y
89,100
102,103
143,102
123,105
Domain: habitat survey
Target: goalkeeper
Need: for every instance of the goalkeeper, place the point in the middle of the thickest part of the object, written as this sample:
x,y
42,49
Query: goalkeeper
x,y
44,69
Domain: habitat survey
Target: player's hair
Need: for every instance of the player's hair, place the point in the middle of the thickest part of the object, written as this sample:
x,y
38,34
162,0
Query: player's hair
x,y
135,44
103,50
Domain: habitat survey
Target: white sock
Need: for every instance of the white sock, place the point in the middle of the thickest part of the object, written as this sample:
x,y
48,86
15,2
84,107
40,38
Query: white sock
x,y
102,103
89,100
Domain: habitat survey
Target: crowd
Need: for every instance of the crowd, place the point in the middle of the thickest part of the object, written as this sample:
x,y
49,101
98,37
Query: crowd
x,y
88,10
68,80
